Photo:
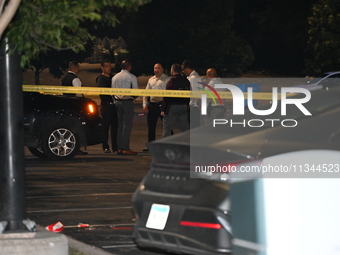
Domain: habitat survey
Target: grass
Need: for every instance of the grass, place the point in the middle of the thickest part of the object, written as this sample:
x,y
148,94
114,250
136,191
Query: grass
x,y
74,252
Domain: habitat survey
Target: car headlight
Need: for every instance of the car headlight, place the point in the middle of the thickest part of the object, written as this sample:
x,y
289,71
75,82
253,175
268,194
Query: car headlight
x,y
91,108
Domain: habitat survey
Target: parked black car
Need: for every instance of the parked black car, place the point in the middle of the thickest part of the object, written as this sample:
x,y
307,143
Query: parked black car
x,y
57,126
182,210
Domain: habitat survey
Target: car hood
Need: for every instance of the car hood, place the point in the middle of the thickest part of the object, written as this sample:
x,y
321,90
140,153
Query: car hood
x,y
310,86
225,143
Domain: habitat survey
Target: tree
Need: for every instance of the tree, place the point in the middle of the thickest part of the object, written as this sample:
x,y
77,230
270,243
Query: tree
x,y
180,29
277,31
324,37
57,61
42,25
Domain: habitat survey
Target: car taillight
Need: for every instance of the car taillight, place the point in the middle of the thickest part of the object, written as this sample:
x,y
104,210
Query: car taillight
x,y
235,164
200,224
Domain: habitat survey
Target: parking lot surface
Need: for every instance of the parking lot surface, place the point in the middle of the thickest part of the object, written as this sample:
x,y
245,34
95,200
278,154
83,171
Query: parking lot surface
x,y
91,194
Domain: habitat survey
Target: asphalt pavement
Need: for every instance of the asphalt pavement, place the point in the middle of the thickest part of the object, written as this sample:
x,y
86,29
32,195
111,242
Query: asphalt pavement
x,y
91,194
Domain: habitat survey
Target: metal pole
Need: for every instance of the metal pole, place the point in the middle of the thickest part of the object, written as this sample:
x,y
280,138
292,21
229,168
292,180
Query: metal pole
x,y
12,158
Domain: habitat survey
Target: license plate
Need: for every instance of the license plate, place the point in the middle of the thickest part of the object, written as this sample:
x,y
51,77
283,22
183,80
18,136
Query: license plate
x,y
158,216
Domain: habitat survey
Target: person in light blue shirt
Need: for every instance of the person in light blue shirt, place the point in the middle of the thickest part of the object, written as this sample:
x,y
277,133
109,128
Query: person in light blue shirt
x,y
125,107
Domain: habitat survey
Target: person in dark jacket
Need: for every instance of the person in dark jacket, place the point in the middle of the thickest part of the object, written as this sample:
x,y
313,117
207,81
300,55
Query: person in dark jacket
x,y
71,79
107,109
175,109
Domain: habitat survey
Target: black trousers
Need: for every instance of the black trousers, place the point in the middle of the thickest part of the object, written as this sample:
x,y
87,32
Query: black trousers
x,y
154,112
110,124
194,117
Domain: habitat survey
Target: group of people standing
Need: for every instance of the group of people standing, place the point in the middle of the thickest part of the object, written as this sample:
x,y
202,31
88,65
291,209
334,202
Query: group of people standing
x,y
183,111
118,111
169,109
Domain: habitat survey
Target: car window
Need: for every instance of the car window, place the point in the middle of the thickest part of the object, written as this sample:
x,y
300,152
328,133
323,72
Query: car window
x,y
318,78
331,80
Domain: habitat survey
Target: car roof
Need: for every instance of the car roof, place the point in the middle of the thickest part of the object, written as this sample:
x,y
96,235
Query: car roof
x,y
333,72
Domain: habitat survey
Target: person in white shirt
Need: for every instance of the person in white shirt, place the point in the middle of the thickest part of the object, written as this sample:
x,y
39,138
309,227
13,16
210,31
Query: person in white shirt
x,y
71,79
195,82
214,111
125,107
151,105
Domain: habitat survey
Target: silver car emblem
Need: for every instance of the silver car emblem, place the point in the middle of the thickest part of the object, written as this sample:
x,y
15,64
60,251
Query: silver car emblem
x,y
170,154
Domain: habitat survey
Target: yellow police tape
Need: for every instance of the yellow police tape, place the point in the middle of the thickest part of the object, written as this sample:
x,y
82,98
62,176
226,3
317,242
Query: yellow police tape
x,y
135,92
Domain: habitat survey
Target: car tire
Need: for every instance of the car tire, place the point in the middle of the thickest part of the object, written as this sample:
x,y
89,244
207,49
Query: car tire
x,y
60,141
37,152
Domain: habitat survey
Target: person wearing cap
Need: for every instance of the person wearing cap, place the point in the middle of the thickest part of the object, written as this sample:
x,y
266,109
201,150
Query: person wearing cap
x,y
151,104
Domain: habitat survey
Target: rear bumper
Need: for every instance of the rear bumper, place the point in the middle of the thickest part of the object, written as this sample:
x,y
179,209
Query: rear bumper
x,y
183,239
173,242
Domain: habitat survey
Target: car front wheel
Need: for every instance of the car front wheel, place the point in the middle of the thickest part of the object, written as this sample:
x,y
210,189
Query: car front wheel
x,y
60,141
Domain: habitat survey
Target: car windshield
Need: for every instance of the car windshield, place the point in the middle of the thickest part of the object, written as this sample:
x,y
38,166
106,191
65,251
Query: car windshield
x,y
326,79
318,78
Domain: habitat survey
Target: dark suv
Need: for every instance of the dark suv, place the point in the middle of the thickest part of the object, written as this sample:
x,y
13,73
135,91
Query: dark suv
x,y
57,126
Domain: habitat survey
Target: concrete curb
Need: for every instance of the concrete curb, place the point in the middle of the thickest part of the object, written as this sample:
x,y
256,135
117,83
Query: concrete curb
x,y
85,248
33,243
79,246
